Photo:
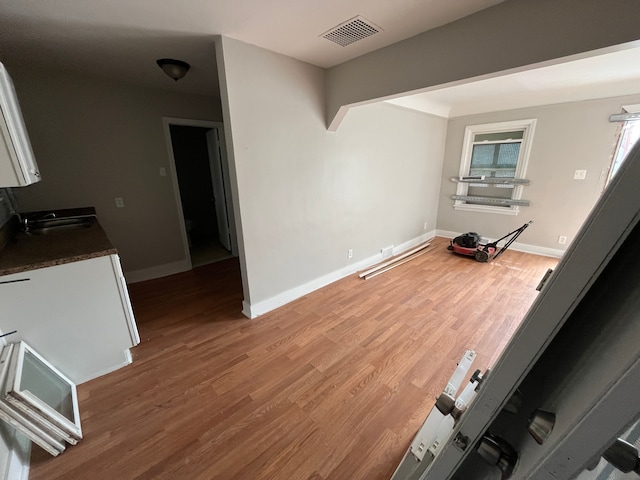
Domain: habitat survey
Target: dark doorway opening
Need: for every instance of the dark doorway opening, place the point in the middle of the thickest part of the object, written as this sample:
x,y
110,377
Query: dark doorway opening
x,y
192,155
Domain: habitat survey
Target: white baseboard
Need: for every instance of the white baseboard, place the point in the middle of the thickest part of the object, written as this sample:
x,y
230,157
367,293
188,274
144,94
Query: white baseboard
x,y
158,271
517,246
246,309
128,360
411,243
253,310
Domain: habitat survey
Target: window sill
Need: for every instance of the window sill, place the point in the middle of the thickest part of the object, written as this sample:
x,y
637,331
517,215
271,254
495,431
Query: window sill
x,y
513,210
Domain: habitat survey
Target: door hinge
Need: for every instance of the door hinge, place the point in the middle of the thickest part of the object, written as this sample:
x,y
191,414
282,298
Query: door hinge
x,y
544,279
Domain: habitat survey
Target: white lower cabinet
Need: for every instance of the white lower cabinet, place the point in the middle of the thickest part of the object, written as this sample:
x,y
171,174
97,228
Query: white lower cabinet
x,y
77,315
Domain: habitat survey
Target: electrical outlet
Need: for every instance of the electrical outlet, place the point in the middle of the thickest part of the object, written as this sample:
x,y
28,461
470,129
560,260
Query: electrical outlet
x,y
580,175
562,239
350,253
425,226
119,202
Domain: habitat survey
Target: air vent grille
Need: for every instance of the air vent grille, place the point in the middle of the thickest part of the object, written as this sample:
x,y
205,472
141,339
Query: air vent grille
x,y
351,31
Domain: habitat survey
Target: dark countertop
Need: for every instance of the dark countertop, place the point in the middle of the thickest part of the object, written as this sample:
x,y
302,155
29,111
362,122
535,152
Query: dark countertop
x,y
25,252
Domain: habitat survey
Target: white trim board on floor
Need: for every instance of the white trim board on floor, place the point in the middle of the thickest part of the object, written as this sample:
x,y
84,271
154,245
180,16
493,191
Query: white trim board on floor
x,y
517,246
253,310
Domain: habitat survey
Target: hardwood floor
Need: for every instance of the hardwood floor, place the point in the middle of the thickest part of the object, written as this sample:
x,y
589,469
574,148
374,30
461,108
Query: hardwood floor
x,y
331,386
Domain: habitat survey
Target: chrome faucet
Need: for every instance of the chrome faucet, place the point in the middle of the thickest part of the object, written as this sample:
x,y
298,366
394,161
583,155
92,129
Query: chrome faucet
x,y
26,222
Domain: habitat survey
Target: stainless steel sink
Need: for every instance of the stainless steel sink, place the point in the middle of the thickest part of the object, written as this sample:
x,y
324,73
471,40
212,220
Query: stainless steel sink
x,y
50,225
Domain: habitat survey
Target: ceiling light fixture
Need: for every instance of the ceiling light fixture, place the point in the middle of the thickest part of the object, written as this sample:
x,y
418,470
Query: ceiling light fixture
x,y
175,69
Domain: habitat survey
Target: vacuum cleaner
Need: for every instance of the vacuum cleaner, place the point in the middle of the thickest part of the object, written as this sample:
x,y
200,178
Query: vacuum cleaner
x,y
469,244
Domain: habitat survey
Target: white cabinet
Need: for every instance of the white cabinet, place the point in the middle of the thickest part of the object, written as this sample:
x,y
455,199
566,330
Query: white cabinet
x,y
17,162
76,315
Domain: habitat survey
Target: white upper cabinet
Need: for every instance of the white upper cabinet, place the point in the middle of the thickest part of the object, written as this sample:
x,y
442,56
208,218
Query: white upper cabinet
x,y
17,163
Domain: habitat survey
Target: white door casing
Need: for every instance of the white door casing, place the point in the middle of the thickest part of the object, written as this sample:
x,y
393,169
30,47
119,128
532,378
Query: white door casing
x,y
167,122
215,165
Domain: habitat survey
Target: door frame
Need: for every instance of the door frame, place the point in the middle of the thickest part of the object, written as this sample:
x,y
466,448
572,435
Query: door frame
x,y
166,124
216,169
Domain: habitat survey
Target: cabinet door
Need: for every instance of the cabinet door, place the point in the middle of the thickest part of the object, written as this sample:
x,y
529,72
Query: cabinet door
x,y
72,314
17,163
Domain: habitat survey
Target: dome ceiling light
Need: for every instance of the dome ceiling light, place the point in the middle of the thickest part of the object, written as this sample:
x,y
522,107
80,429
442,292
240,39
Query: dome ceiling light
x,y
175,69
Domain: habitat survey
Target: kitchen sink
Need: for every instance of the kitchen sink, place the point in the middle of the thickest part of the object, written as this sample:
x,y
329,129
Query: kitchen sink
x,y
50,225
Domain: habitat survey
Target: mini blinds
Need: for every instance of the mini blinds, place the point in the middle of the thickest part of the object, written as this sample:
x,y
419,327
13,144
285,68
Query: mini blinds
x,y
38,400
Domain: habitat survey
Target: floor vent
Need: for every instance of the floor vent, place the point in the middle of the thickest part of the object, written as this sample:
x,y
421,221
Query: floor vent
x,y
351,31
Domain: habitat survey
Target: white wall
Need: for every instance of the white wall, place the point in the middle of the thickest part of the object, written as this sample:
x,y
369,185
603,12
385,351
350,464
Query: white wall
x,y
512,34
306,196
95,140
568,137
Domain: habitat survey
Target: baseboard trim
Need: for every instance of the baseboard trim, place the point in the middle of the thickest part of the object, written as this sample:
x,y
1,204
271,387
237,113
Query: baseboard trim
x,y
253,310
517,246
158,271
128,360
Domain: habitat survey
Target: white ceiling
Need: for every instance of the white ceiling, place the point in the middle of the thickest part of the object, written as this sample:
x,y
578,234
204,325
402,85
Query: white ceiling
x,y
608,73
121,40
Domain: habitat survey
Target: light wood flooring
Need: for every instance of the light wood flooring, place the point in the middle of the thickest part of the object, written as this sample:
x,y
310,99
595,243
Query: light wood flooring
x,y
332,386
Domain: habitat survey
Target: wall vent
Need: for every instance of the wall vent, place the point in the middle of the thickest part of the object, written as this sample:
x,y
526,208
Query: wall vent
x,y
351,31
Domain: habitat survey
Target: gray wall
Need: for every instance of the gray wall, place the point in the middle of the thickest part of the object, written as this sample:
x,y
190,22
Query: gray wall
x,y
95,140
304,196
509,35
568,137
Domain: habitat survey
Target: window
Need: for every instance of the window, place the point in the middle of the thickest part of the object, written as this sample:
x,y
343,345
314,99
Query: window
x,y
37,400
493,166
629,135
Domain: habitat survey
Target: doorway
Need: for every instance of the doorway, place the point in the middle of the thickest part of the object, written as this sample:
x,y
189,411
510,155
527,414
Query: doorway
x,y
202,190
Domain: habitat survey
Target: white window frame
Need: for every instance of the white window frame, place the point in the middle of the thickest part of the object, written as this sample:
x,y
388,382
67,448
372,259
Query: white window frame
x,y
36,408
622,146
528,127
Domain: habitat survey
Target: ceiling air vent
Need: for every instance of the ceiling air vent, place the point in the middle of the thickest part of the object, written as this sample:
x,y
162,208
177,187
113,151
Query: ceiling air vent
x,y
351,31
